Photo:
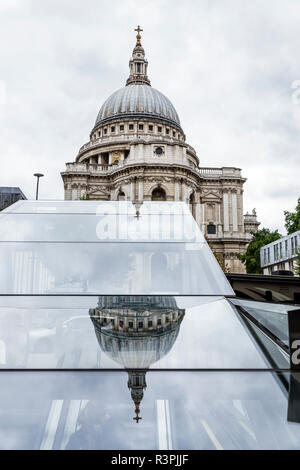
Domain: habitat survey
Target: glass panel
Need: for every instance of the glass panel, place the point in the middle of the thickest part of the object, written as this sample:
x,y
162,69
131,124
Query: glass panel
x,y
163,411
130,332
110,268
273,316
95,228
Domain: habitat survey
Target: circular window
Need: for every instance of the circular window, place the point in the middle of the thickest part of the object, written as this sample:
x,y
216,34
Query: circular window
x,y
159,151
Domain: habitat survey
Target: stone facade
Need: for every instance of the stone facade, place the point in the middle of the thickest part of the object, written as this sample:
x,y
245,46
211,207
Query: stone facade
x,y
138,151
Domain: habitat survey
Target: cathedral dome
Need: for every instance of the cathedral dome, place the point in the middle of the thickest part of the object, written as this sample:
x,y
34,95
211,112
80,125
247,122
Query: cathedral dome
x,y
138,100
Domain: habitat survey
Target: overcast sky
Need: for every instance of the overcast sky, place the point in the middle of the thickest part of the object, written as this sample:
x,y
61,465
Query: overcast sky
x,y
228,66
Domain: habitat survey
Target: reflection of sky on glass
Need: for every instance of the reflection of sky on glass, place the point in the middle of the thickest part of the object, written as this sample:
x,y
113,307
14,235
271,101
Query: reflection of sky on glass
x,y
207,410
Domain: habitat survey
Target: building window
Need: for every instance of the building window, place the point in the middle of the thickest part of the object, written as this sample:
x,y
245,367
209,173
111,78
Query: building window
x,y
276,252
141,324
105,130
167,320
265,256
293,246
159,128
158,194
131,127
149,323
167,131
121,196
112,129
211,229
159,322
141,127
130,324
268,252
121,128
174,133
150,127
138,67
280,250
286,248
158,151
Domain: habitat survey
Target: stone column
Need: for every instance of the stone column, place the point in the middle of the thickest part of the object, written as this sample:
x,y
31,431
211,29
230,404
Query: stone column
x,y
176,190
234,211
132,190
226,211
219,222
240,210
141,190
198,211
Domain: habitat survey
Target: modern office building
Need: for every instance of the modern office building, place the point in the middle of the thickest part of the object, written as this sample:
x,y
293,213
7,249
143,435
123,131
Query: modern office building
x,y
281,254
9,195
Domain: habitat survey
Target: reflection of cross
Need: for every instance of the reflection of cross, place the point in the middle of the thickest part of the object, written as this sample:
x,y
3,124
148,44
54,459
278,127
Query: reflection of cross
x,y
138,29
137,418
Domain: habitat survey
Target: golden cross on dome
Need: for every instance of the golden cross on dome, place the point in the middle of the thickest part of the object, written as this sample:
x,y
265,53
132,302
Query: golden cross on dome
x,y
138,36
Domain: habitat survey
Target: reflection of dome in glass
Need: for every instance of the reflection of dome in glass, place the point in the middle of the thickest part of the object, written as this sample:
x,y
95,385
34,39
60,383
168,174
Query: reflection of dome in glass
x,y
136,331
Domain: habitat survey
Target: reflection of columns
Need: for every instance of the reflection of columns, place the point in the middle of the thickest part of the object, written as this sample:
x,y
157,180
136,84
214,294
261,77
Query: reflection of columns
x,y
132,190
226,212
234,211
141,190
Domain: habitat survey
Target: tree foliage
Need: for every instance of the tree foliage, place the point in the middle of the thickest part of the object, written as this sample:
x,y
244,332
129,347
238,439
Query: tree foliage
x,y
219,257
252,256
292,219
85,197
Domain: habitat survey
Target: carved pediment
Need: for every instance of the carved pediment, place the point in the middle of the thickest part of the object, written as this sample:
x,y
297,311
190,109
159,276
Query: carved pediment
x,y
98,191
210,196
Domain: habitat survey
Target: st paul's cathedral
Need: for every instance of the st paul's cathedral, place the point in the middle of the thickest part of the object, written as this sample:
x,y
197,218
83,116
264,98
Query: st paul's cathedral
x,y
138,152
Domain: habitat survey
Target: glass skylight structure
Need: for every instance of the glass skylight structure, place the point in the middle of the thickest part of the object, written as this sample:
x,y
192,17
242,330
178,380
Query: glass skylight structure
x,y
106,248
118,330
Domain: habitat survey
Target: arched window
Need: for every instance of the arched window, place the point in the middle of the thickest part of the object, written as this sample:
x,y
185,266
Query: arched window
x,y
158,194
121,196
211,229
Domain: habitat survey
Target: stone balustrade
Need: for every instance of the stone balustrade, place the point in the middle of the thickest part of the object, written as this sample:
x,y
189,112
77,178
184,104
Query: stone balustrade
x,y
204,172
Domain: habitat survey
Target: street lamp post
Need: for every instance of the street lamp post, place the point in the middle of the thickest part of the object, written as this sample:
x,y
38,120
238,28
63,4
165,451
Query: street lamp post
x,y
38,175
